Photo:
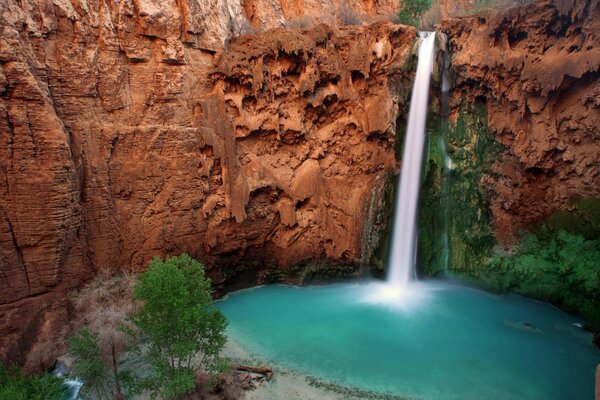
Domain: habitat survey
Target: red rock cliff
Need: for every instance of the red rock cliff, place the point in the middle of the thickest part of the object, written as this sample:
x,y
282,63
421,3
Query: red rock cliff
x,y
125,136
129,132
537,67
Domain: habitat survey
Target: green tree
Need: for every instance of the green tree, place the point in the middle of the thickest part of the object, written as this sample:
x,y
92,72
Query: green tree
x,y
14,385
88,364
180,330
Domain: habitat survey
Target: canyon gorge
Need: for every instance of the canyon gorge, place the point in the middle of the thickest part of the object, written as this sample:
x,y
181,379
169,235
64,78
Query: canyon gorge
x,y
262,138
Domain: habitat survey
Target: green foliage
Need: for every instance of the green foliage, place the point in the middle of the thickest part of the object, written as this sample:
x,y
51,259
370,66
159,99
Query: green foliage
x,y
433,212
582,218
180,329
473,151
14,385
559,261
563,269
88,364
452,199
163,382
412,10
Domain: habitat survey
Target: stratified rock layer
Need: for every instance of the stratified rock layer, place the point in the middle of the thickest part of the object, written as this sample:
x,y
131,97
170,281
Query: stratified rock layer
x,y
125,136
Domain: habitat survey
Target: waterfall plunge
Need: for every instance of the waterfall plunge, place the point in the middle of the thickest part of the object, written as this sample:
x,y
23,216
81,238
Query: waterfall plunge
x,y
402,261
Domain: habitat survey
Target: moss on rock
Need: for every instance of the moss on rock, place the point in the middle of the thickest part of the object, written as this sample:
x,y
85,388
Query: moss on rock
x,y
433,212
454,218
557,261
473,150
582,218
378,230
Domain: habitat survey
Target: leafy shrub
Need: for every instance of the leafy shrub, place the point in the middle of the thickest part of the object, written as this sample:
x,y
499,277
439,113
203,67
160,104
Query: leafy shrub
x,y
179,331
563,269
411,11
88,364
14,385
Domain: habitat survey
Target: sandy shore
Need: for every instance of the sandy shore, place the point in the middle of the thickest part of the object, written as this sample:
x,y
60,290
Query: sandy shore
x,y
292,385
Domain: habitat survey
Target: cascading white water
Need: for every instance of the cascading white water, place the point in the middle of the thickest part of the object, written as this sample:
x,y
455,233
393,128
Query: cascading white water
x,y
402,261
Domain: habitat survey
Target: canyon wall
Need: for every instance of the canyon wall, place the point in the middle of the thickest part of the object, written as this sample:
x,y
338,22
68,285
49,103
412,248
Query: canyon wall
x,y
519,193
267,14
537,69
145,128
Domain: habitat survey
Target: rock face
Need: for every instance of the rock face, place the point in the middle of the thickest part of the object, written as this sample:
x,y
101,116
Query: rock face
x,y
536,67
126,136
147,128
266,14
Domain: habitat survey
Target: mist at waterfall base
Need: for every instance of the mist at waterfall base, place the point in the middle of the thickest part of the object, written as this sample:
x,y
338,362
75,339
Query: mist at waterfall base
x,y
445,342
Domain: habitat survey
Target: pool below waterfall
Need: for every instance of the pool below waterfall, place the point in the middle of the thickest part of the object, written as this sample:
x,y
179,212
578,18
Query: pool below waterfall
x,y
436,340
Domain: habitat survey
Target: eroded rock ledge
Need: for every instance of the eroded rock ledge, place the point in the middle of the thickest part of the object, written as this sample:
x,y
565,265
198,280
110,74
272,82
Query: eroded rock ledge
x,y
127,134
537,68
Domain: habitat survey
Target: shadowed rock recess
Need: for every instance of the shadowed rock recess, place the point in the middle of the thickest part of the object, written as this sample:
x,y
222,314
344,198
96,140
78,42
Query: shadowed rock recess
x,y
146,128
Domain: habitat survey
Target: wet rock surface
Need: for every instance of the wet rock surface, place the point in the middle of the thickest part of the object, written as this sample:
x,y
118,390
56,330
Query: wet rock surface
x,y
536,67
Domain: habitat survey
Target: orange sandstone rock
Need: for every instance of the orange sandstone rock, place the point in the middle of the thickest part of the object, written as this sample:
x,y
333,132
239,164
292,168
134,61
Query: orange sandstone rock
x,y
129,132
537,68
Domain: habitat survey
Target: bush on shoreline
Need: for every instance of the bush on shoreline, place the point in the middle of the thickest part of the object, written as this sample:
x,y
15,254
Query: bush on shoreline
x,y
562,268
177,330
164,317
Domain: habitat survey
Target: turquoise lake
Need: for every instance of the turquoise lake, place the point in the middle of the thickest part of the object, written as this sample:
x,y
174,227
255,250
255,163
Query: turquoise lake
x,y
437,340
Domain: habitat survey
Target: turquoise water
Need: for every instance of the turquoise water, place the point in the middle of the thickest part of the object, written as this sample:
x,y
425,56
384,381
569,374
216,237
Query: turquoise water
x,y
439,341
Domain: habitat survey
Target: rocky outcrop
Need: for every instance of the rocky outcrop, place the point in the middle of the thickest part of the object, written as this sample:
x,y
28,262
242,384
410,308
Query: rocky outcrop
x,y
520,190
266,14
127,134
537,69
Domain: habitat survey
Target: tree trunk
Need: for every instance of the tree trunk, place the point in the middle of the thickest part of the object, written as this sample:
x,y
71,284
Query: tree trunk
x,y
120,395
263,370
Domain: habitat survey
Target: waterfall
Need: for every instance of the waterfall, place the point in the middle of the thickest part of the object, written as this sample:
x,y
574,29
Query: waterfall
x,y
444,113
72,386
402,261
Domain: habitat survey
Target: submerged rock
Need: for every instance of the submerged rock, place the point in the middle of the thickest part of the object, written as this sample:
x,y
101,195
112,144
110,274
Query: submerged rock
x,y
523,326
